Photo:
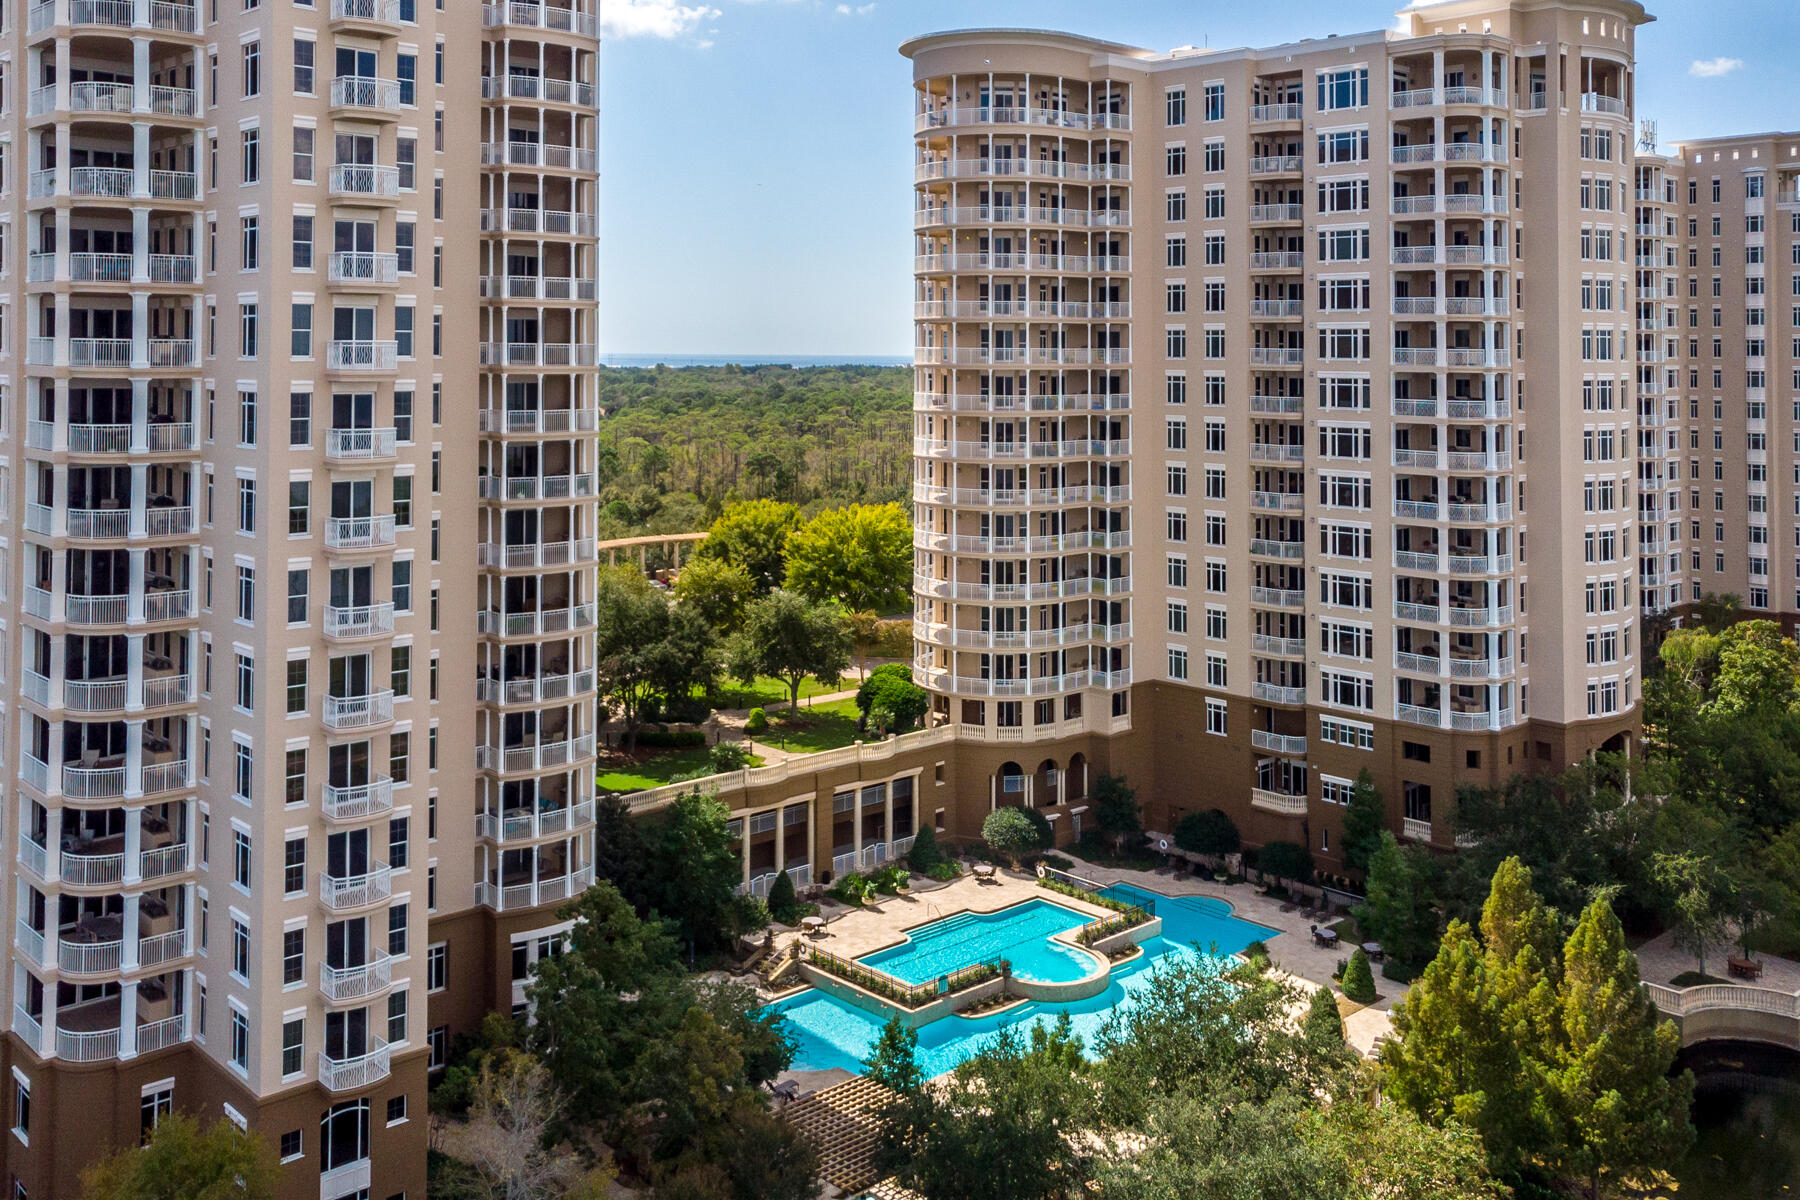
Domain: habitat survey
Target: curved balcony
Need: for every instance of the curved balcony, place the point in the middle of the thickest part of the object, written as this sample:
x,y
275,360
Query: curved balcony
x,y
537,554
511,897
1280,647
539,155
539,221
542,756
366,95
361,445
1277,743
537,689
346,893
358,802
1278,802
1035,639
359,621
535,624
1013,168
555,18
364,181
164,16
362,267
1045,685
986,115
358,712
356,1072
539,287
542,89
1274,693
538,354
524,825
349,985
359,533
1005,593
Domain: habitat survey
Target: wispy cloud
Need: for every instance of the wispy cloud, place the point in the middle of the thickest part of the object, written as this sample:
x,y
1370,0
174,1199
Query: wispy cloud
x,y
861,10
1712,68
653,18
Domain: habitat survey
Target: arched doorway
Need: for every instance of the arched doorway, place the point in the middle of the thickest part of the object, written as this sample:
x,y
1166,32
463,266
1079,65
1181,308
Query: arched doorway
x,y
1046,785
1009,786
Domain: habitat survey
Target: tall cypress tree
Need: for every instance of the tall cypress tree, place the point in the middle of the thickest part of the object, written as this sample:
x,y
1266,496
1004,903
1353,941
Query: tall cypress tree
x,y
1620,1112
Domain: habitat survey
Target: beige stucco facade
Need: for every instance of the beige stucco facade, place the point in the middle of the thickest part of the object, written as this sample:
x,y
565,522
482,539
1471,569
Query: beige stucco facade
x,y
299,334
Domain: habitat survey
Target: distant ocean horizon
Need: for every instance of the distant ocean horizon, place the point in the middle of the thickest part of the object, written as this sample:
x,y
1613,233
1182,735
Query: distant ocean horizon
x,y
756,360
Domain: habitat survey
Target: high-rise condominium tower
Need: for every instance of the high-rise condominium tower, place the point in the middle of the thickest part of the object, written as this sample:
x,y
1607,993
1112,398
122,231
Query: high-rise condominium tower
x,y
297,322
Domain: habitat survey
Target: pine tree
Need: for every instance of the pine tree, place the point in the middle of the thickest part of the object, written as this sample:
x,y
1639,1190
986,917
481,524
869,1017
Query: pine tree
x,y
1619,1111
1358,982
893,1062
1364,820
1323,1023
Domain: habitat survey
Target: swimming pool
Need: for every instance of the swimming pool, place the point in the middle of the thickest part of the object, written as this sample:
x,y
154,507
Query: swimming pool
x,y
830,1033
1020,934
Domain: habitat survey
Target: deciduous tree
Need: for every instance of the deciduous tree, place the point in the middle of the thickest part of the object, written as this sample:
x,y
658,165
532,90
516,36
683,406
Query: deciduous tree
x,y
1364,820
1400,910
185,1161
790,637
1116,810
860,556
753,535
717,590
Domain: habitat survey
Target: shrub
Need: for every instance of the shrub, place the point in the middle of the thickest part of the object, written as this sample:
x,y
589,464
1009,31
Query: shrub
x,y
671,738
728,756
1286,860
751,914
1045,833
924,853
784,902
1322,1022
853,889
1359,982
1256,949
1010,833
944,872
889,880
1211,833
757,722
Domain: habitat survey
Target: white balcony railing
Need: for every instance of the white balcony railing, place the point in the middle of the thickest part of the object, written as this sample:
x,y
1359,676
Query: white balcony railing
x,y
357,1072
354,802
363,91
359,621
359,712
343,892
356,444
359,533
342,984
365,179
362,356
362,267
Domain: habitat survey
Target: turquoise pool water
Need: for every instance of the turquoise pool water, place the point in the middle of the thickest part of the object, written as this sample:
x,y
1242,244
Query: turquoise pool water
x,y
1020,934
829,1033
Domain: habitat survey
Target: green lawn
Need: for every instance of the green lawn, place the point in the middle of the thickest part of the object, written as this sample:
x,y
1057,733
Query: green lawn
x,y
654,772
768,693
821,727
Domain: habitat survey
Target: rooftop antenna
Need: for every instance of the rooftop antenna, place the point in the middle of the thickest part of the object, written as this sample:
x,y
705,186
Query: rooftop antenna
x,y
1647,136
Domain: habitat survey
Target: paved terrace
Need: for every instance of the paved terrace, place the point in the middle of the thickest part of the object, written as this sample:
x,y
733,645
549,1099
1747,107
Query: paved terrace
x,y
853,932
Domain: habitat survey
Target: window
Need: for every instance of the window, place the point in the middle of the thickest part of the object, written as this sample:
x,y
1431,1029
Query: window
x,y
246,683
404,318
1215,717
294,778
302,342
244,776
1175,106
250,142
396,1032
397,929
1346,88
247,331
403,492
299,509
405,239
291,1146
252,242
408,71
293,865
400,671
1178,663
303,66
399,842
1215,102
240,948
437,966
246,513
399,762
396,1105
157,1101
22,1108
303,243
293,956
246,418
293,1043
252,63
299,419
240,858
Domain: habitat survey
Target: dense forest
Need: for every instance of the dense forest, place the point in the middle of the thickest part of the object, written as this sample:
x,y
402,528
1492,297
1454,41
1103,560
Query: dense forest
x,y
677,444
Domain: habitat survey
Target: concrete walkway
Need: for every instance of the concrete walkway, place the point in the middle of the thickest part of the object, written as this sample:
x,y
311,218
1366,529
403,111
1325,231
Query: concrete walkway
x,y
1660,961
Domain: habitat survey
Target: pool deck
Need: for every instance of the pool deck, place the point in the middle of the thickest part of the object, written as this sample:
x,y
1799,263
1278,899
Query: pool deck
x,y
1292,949
853,932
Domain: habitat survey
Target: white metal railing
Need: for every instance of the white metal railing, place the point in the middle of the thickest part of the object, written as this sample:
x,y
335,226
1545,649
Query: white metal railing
x,y
91,870
363,91
1277,743
353,802
94,695
1278,802
352,1074
359,621
340,984
90,958
541,16
158,606
362,267
357,891
362,356
87,1047
538,154
361,443
174,101
359,533
359,712
365,179
538,220
166,777
160,861
384,12
159,1035
95,610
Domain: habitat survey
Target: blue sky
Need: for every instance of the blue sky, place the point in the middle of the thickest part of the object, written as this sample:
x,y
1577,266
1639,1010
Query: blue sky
x,y
756,154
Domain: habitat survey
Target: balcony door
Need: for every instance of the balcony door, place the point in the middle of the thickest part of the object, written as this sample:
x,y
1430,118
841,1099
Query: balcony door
x,y
352,497
347,1034
352,587
352,324
353,410
347,766
355,149
359,64
347,943
347,854
351,675
354,237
